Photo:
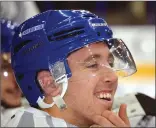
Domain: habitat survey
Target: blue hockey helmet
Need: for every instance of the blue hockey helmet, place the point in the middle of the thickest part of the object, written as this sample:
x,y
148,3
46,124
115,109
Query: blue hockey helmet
x,y
45,41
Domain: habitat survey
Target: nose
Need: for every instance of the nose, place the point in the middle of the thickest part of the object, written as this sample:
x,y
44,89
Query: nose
x,y
109,76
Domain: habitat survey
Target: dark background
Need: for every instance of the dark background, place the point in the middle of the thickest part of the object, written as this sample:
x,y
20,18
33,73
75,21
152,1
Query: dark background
x,y
116,12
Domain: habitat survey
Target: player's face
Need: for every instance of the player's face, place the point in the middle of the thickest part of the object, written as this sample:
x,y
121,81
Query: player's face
x,y
10,92
86,87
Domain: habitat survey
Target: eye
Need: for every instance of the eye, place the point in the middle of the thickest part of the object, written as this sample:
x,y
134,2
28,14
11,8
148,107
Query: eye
x,y
92,66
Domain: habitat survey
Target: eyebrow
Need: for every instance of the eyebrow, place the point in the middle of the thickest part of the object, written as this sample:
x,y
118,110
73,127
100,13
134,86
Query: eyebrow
x,y
97,56
89,58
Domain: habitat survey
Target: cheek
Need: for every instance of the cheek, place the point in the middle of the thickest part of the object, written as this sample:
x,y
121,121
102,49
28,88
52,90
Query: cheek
x,y
79,91
4,83
79,96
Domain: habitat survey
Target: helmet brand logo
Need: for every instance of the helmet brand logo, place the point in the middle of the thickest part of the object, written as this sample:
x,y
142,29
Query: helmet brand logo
x,y
98,24
33,29
32,48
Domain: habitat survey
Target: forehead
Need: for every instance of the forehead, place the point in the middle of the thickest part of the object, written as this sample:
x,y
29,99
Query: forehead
x,y
99,48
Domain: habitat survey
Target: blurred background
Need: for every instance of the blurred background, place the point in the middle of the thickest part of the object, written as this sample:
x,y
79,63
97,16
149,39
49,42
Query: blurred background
x,y
132,21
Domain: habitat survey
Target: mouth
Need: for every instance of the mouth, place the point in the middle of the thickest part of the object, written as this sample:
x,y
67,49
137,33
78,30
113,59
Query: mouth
x,y
104,95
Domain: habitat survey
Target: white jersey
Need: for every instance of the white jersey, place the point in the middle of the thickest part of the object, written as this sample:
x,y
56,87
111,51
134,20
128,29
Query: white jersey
x,y
6,114
32,117
135,112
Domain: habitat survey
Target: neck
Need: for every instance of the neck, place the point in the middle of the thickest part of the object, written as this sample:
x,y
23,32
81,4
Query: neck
x,y
68,115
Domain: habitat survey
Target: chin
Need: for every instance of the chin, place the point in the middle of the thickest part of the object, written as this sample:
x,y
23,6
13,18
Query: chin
x,y
103,105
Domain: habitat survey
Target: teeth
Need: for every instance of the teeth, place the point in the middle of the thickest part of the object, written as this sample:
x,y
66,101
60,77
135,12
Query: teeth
x,y
104,95
101,95
110,95
107,95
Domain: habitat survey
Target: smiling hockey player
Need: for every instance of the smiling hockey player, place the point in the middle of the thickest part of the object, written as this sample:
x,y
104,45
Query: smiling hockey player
x,y
67,64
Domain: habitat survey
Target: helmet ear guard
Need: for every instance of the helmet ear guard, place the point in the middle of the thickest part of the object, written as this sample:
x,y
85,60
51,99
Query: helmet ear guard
x,y
58,100
57,72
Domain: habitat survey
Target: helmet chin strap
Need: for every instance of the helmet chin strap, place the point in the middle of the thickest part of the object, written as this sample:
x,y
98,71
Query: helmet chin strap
x,y
58,100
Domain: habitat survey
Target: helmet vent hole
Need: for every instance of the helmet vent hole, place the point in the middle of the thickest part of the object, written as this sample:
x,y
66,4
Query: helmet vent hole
x,y
98,33
20,77
89,15
21,45
29,88
64,34
67,31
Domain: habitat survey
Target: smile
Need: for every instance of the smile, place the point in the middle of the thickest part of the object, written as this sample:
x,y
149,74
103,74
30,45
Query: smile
x,y
103,95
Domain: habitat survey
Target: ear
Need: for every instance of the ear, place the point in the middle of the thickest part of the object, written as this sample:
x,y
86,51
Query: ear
x,y
47,83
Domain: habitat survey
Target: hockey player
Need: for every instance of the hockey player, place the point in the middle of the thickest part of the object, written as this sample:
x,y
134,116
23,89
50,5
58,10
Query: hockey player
x,y
67,64
10,92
